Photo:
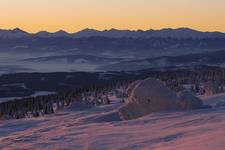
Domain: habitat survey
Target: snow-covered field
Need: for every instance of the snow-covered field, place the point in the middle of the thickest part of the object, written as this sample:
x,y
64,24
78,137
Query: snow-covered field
x,y
99,128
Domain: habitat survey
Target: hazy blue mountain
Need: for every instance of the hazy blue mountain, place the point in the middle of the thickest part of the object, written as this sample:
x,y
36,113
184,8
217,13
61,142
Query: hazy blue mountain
x,y
114,33
79,59
191,60
46,34
109,49
15,33
164,33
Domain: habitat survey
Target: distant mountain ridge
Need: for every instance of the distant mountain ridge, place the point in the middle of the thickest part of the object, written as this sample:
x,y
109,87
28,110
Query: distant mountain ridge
x,y
164,33
180,33
15,33
215,59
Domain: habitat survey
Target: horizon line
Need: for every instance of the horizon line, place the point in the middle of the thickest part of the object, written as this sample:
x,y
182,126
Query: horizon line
x,y
101,30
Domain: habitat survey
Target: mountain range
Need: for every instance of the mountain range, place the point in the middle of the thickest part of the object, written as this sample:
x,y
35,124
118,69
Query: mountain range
x,y
91,50
114,33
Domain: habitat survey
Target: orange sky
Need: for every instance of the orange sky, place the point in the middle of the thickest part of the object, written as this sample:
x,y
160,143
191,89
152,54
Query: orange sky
x,y
74,15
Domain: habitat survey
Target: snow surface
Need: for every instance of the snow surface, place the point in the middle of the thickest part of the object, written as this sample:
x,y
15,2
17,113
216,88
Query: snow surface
x,y
100,128
214,99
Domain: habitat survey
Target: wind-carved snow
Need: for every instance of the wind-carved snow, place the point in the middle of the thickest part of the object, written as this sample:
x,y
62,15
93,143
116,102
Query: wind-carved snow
x,y
214,99
100,128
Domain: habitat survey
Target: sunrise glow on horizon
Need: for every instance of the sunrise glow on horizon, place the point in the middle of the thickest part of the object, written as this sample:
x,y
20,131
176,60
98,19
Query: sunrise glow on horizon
x,y
75,15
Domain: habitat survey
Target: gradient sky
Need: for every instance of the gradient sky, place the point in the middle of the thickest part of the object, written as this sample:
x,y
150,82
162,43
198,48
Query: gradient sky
x,y
74,15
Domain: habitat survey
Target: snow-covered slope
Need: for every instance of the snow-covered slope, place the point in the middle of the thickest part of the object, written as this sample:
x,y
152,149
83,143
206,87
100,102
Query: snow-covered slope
x,y
100,128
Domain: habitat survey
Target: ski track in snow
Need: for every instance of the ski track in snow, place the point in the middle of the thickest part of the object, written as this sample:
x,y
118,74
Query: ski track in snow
x,y
99,128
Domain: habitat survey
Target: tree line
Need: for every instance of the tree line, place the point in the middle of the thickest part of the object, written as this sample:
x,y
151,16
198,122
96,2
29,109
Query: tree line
x,y
43,105
97,95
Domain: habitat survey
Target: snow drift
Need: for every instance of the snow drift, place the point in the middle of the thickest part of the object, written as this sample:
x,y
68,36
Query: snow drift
x,y
211,88
186,100
131,87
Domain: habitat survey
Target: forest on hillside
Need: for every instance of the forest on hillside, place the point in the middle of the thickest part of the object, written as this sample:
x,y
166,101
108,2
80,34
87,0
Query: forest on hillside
x,y
97,94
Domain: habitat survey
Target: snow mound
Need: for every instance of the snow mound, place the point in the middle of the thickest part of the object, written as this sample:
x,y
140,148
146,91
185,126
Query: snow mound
x,y
186,100
211,88
148,96
131,87
220,104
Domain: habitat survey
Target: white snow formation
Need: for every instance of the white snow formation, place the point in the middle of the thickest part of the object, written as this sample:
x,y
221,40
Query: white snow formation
x,y
187,100
151,95
211,88
148,96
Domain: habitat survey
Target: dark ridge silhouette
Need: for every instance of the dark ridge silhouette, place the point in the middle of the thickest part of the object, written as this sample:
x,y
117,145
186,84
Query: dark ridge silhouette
x,y
115,33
